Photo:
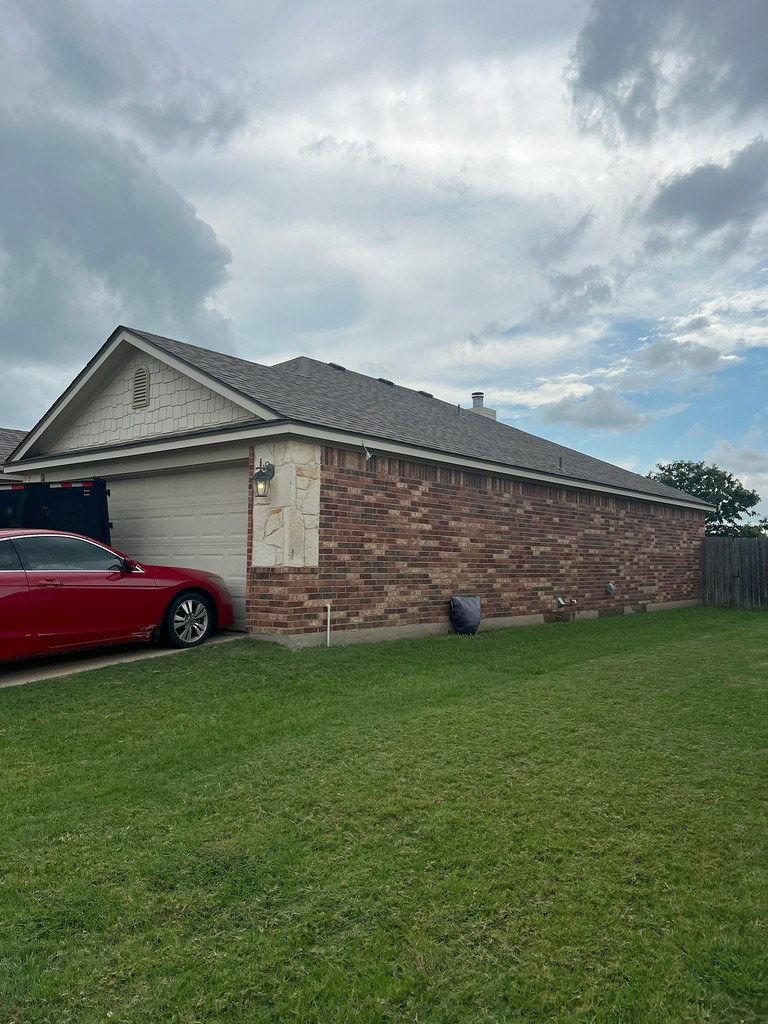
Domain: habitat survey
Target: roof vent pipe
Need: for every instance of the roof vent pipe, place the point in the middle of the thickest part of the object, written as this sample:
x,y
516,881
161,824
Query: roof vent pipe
x,y
479,408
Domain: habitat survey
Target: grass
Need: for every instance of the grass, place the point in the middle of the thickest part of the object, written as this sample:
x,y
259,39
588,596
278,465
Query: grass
x,y
562,823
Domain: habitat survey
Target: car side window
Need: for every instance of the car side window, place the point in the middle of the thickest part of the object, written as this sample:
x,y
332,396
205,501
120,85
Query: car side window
x,y
54,554
9,560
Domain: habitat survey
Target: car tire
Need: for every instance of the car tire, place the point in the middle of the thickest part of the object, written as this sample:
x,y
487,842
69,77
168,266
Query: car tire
x,y
189,620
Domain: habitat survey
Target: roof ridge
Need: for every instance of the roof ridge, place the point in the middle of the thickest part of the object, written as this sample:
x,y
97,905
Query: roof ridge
x,y
161,339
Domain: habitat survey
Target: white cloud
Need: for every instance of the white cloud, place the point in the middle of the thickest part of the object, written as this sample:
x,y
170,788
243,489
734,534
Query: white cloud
x,y
416,203
730,322
601,409
545,392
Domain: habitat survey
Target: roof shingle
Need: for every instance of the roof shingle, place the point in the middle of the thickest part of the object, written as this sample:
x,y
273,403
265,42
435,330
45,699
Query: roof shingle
x,y
9,440
320,394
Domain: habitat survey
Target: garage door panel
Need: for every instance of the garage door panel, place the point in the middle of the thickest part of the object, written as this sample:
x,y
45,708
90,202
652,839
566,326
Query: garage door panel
x,y
192,518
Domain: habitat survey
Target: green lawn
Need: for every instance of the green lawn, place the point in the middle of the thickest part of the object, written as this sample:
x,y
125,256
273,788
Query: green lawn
x,y
562,823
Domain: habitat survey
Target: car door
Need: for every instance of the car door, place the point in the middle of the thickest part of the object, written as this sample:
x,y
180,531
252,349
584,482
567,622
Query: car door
x,y
18,638
82,593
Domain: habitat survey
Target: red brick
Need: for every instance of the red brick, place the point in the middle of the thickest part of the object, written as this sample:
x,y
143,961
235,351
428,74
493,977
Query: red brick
x,y
395,544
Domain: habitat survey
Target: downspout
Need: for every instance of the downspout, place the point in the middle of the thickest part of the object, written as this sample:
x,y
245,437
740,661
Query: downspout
x,y
327,625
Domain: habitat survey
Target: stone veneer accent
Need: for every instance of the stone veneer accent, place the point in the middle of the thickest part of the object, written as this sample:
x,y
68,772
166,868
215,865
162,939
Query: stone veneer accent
x,y
398,538
176,404
286,524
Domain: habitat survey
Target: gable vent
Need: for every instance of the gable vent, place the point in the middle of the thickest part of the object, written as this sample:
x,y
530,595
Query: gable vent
x,y
140,395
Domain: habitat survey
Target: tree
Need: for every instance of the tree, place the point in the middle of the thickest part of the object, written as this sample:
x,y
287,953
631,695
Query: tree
x,y
732,500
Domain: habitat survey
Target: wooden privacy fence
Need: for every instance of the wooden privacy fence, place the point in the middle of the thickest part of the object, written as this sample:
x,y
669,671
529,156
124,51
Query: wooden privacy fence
x,y
734,572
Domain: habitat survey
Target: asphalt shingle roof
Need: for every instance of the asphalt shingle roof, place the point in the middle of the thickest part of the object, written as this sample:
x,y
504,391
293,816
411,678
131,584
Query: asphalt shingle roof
x,y
9,439
322,395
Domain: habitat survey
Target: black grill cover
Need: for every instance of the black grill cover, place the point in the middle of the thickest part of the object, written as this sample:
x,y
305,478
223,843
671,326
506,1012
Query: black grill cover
x,y
465,614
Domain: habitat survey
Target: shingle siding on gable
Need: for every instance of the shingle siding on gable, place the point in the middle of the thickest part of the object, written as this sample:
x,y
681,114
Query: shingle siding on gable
x,y
399,538
177,404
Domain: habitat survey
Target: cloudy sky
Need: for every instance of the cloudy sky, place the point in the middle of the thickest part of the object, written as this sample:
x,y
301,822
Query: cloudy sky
x,y
562,204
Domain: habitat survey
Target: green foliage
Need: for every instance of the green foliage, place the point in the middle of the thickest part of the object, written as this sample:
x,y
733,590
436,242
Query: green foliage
x,y
732,500
561,824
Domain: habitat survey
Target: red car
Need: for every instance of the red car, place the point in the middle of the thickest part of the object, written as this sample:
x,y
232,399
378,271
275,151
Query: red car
x,y
63,592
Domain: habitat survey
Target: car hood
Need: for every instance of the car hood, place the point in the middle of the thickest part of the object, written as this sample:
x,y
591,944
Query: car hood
x,y
182,574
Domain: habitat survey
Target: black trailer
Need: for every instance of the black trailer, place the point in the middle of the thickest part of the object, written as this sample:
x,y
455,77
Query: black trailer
x,y
79,506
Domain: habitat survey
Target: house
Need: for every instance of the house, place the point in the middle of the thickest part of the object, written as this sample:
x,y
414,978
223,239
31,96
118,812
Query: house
x,y
9,439
384,502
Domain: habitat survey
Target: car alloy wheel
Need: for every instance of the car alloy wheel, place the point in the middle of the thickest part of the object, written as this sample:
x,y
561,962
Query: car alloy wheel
x,y
189,620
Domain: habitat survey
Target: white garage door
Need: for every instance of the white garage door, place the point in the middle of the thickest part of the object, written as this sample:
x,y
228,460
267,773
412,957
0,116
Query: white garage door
x,y
195,518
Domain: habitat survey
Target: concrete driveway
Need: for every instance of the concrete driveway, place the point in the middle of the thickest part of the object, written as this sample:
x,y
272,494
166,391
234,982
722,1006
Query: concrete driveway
x,y
32,670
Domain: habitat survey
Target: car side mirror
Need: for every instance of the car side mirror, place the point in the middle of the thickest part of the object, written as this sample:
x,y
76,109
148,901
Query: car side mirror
x,y
131,565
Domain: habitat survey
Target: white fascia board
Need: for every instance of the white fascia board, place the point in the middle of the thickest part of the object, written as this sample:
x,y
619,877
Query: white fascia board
x,y
66,399
161,446
322,435
154,464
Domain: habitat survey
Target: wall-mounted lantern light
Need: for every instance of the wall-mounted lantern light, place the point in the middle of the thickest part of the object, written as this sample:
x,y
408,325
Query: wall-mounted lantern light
x,y
610,589
261,479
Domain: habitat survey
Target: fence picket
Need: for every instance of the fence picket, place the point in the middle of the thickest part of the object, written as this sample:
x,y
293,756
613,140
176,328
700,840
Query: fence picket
x,y
734,572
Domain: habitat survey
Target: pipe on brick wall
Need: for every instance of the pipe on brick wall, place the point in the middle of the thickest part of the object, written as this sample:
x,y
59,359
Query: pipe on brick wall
x,y
327,625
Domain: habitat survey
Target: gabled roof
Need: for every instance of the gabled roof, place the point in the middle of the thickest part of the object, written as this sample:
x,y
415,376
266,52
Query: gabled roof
x,y
321,394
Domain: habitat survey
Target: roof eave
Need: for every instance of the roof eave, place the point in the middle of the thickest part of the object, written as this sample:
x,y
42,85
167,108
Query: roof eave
x,y
275,429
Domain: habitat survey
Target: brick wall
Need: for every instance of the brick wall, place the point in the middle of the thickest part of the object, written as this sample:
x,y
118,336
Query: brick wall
x,y
397,538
